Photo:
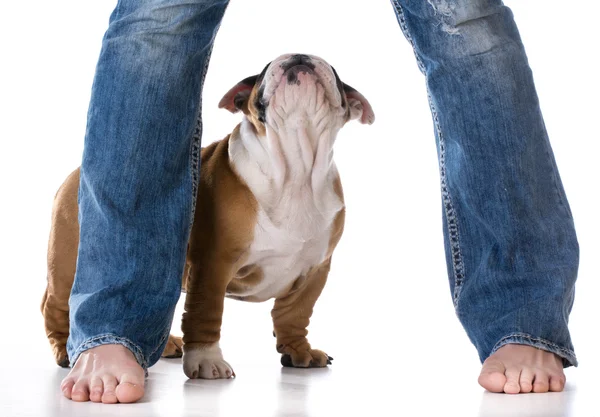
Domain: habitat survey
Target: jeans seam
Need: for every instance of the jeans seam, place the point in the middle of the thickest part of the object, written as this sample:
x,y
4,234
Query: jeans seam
x,y
117,12
162,340
458,267
402,22
554,174
196,145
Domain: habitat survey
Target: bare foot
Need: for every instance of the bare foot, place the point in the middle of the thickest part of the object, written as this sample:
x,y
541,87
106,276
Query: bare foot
x,y
517,369
106,373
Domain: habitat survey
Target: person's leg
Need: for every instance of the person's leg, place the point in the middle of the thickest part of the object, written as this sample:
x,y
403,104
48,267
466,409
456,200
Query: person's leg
x,y
137,189
511,249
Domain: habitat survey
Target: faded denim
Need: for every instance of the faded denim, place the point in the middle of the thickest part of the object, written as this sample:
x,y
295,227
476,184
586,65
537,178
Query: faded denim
x,y
139,174
510,242
511,248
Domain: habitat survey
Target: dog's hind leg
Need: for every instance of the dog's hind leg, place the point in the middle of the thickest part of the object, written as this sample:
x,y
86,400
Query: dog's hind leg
x,y
62,258
174,347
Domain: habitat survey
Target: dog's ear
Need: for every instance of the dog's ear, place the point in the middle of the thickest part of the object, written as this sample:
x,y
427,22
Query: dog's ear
x,y
359,106
237,97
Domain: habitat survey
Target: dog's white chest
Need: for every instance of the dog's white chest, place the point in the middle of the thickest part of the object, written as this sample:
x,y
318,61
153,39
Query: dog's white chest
x,y
293,179
290,239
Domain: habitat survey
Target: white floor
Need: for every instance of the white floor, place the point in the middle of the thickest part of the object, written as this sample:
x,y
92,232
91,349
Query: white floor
x,y
262,388
391,368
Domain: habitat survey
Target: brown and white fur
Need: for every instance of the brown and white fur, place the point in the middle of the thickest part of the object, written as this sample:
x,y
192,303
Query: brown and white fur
x,y
268,216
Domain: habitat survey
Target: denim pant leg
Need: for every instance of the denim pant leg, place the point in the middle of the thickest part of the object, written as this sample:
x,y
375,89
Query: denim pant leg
x,y
511,249
139,172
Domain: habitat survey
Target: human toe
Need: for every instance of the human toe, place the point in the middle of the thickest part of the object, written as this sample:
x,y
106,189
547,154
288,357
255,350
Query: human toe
x,y
130,388
80,391
109,395
557,383
492,376
526,380
541,383
96,389
512,381
66,387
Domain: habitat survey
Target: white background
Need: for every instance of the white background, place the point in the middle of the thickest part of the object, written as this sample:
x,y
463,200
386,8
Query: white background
x,y
388,291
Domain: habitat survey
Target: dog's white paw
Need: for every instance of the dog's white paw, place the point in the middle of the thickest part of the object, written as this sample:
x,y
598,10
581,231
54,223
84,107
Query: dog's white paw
x,y
206,363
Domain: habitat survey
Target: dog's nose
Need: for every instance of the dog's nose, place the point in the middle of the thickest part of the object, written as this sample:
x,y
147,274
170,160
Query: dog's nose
x,y
295,64
300,58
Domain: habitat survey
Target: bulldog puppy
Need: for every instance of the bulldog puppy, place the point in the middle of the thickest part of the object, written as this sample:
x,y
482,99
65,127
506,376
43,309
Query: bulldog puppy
x,y
269,213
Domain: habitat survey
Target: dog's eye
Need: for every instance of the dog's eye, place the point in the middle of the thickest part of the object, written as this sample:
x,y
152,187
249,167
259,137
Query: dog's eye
x,y
260,105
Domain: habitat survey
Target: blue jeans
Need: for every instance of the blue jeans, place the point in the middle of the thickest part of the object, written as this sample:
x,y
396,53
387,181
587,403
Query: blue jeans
x,y
511,248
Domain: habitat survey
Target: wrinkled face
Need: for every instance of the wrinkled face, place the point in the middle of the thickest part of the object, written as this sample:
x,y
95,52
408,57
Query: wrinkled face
x,y
295,91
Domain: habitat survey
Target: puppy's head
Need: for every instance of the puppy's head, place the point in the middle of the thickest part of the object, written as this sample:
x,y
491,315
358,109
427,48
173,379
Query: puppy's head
x,y
299,91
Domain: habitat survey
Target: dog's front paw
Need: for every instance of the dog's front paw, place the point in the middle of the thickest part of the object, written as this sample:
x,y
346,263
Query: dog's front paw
x,y
308,358
206,362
